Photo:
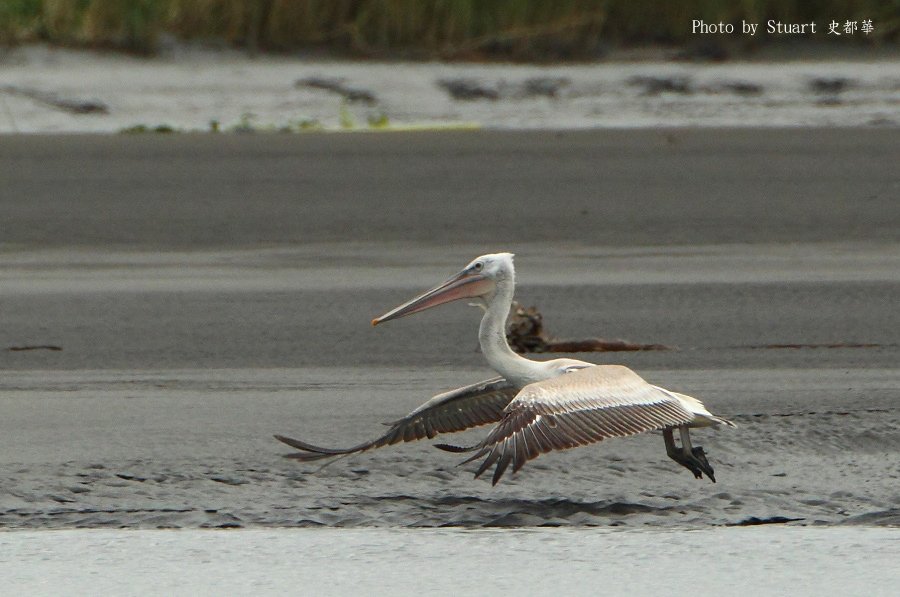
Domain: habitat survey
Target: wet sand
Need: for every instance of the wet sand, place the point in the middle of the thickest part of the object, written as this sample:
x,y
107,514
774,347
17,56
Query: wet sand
x,y
465,191
206,293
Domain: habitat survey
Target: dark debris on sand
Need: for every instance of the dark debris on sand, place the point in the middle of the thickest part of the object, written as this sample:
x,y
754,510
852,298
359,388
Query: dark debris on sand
x,y
70,105
651,85
471,89
338,86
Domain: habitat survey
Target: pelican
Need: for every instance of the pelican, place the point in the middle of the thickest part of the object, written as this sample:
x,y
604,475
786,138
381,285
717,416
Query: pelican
x,y
539,406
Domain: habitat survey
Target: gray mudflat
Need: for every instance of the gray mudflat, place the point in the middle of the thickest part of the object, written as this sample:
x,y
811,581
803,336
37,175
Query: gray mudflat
x,y
208,292
605,188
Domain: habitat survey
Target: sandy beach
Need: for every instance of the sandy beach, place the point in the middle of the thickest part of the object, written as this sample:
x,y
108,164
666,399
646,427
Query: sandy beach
x,y
53,90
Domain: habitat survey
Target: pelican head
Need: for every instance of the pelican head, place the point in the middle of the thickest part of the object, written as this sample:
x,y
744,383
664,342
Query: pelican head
x,y
478,280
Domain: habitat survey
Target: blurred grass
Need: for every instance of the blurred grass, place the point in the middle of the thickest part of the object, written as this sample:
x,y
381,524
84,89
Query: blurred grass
x,y
463,29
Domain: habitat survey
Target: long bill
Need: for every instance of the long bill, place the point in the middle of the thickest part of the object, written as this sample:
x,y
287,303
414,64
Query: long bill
x,y
463,285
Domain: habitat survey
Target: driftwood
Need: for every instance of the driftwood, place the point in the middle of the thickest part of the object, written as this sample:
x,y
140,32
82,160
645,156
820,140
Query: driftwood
x,y
35,347
526,334
336,85
72,106
832,345
468,89
657,85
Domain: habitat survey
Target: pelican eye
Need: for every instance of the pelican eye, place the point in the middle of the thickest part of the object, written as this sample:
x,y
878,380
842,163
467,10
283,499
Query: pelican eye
x,y
478,266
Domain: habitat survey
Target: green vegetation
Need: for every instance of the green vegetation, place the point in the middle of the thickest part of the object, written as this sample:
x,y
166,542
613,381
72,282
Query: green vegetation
x,y
143,128
461,29
376,122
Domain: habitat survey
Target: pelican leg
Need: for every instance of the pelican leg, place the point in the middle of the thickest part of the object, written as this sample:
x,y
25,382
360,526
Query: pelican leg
x,y
693,459
696,455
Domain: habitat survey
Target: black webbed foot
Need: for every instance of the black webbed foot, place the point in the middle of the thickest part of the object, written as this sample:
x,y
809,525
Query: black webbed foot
x,y
691,463
692,458
700,461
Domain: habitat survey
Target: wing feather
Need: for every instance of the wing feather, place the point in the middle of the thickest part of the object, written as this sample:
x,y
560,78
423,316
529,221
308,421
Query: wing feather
x,y
576,409
471,406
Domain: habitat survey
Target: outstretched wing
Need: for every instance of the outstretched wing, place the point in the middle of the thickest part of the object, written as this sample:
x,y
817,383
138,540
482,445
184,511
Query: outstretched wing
x,y
477,404
576,409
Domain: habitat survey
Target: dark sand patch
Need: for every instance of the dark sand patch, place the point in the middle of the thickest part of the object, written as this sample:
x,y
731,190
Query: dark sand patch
x,y
164,457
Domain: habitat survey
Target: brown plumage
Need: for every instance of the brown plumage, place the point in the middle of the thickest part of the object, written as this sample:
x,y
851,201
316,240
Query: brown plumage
x,y
576,409
471,406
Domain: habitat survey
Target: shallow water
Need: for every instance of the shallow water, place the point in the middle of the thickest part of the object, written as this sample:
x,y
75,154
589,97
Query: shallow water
x,y
720,561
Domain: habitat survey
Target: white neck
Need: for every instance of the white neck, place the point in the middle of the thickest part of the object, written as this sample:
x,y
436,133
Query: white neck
x,y
492,336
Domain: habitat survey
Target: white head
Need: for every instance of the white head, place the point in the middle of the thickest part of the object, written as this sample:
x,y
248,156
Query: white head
x,y
478,280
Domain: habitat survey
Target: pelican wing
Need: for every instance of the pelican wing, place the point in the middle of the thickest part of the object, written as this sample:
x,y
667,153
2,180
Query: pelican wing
x,y
477,404
576,409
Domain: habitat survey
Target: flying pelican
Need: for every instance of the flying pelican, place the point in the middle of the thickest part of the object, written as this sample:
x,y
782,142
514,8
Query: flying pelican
x,y
539,406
